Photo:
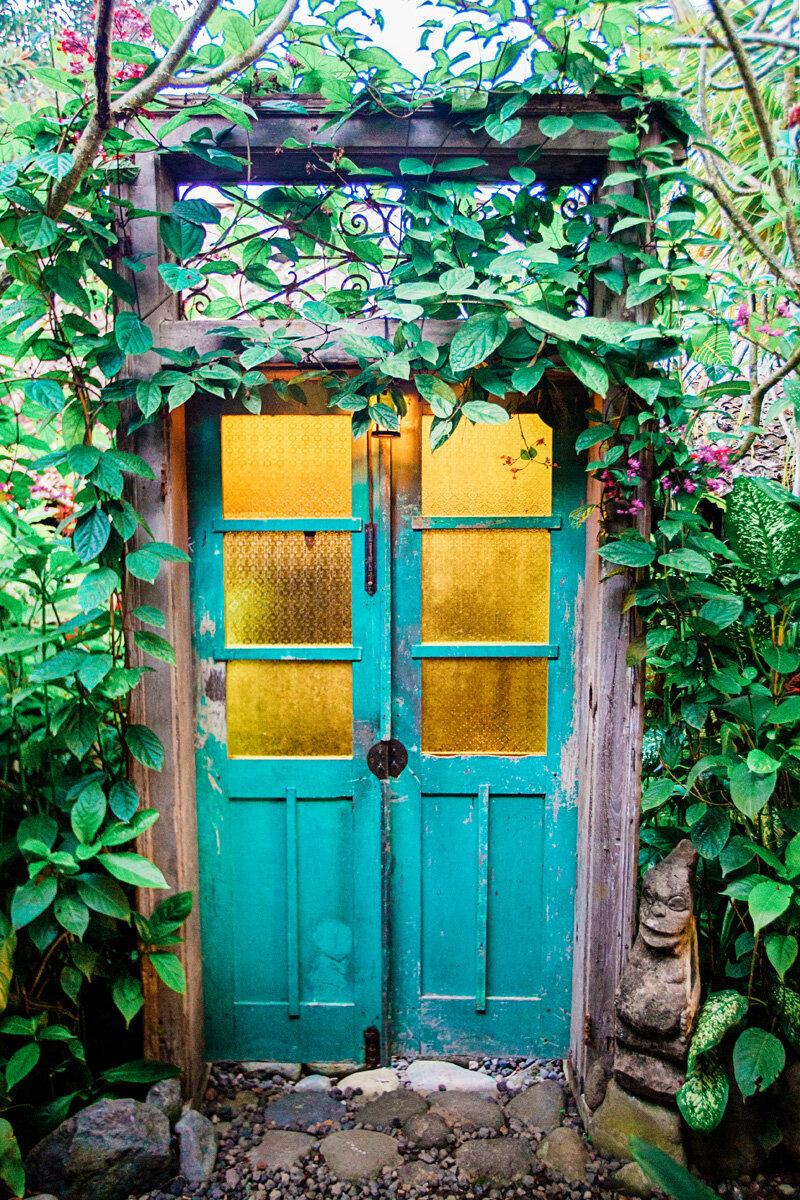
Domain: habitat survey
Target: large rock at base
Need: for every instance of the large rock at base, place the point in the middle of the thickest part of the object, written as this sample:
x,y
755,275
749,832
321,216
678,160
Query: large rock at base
x,y
360,1154
497,1162
307,1110
105,1152
197,1147
418,1175
287,1070
334,1070
468,1110
541,1107
631,1180
166,1095
622,1116
371,1083
280,1150
426,1075
391,1109
427,1131
314,1083
564,1152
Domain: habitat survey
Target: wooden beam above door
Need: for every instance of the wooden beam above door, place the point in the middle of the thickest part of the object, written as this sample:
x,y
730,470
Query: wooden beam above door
x,y
377,143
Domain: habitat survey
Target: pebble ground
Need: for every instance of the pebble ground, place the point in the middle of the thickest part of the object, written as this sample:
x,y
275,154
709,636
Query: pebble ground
x,y
236,1102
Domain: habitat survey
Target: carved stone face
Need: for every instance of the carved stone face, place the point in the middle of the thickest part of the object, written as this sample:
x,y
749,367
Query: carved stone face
x,y
665,913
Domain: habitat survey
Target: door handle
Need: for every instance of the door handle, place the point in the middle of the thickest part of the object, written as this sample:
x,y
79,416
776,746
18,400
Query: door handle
x,y
387,759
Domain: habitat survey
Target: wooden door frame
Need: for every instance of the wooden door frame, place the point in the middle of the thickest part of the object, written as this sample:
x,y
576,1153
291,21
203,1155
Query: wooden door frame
x,y
603,752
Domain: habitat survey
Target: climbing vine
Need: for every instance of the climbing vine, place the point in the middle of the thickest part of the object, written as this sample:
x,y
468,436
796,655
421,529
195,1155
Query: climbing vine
x,y
519,266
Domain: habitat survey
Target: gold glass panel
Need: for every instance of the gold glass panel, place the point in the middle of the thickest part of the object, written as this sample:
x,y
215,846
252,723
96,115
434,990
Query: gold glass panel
x,y
290,709
286,466
287,587
484,705
485,585
468,476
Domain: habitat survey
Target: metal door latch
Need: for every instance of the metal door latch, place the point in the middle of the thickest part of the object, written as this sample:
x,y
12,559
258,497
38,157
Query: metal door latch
x,y
387,759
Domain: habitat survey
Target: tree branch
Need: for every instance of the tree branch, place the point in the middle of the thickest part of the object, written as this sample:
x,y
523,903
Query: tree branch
x,y
758,394
240,62
763,123
749,234
102,61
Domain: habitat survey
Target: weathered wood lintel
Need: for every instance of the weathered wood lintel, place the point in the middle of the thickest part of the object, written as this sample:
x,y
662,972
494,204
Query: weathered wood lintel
x,y
376,143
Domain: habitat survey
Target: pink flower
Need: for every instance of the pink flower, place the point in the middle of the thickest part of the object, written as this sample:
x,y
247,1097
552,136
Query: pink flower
x,y
765,329
782,307
742,318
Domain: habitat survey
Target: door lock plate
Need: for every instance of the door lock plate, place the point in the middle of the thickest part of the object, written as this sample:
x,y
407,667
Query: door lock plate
x,y
387,759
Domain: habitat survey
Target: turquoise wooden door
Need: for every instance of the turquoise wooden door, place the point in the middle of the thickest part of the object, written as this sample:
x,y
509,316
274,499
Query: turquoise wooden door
x,y
340,604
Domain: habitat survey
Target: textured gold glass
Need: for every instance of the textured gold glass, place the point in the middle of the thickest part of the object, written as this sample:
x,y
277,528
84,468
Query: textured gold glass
x,y
484,705
468,476
485,585
286,466
289,709
287,587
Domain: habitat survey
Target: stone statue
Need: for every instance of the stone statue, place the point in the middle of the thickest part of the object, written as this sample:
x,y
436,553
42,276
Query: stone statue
x,y
659,995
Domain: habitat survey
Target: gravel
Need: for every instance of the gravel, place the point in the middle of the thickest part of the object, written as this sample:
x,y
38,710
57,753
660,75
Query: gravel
x,y
236,1102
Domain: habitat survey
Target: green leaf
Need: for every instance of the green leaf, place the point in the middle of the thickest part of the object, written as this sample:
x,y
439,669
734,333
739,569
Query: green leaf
x,y
202,212
483,412
655,795
145,746
80,730
781,951
46,392
177,278
687,560
555,127
750,792
564,330
628,552
360,346
12,1172
169,969
457,280
768,901
123,799
172,911
72,914
133,868
722,611
91,534
758,1059
38,231
475,340
127,995
8,946
763,530
157,646
144,1071
780,658
703,1097
667,1174
587,368
103,895
183,238
761,763
501,130
31,899
439,394
88,812
131,334
593,435
711,832
96,589
148,397
721,1012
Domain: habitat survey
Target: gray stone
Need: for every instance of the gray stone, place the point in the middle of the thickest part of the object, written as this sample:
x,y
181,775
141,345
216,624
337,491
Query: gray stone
x,y
280,1150
631,1180
541,1106
467,1110
521,1078
564,1152
622,1116
286,1070
197,1147
497,1161
244,1098
427,1130
44,1196
594,1091
425,1075
417,1175
108,1150
304,1109
371,1083
391,1109
166,1096
334,1070
314,1083
360,1154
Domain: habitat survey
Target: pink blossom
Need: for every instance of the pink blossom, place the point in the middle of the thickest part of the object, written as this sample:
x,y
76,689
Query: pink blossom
x,y
742,318
782,307
765,329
